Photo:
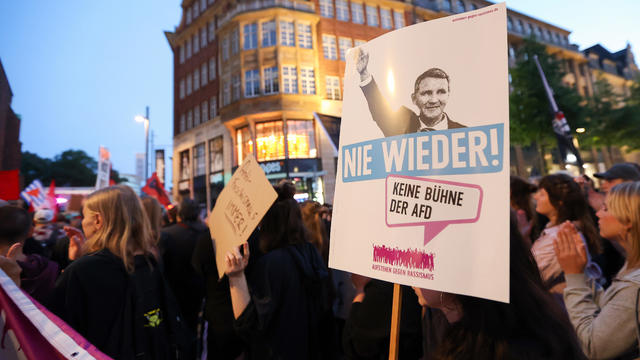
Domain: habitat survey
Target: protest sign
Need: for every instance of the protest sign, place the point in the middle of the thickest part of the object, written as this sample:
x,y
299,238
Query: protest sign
x,y
239,208
104,169
422,187
30,331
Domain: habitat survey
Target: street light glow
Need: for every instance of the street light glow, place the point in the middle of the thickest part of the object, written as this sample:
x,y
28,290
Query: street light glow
x,y
580,130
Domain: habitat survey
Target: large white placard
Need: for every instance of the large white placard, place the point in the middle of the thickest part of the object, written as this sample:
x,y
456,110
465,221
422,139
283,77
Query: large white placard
x,y
422,188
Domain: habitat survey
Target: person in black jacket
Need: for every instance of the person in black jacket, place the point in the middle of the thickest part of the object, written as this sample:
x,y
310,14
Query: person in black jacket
x,y
115,295
279,318
176,248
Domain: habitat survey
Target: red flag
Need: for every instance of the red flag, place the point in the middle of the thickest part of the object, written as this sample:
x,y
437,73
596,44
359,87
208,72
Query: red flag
x,y
51,198
155,189
10,185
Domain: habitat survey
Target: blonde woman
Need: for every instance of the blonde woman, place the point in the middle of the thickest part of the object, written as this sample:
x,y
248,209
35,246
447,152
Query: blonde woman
x,y
606,321
113,291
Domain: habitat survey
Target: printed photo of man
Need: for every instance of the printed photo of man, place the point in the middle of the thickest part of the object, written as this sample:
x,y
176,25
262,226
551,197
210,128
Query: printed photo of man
x,y
430,95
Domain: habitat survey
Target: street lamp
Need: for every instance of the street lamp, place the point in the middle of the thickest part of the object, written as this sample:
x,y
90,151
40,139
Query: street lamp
x,y
145,120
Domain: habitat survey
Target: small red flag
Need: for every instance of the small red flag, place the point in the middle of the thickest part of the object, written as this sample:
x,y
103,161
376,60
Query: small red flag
x,y
155,189
10,184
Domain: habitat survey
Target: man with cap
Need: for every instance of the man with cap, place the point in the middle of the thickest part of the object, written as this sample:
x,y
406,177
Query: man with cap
x,y
618,174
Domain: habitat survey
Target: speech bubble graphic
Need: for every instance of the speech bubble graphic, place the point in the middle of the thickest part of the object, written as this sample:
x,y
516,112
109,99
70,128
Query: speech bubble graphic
x,y
434,204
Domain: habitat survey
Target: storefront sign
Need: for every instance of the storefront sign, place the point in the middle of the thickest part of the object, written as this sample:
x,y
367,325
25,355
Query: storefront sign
x,y
272,167
422,187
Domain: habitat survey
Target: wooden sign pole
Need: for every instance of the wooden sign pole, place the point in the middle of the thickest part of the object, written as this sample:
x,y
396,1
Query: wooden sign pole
x,y
395,322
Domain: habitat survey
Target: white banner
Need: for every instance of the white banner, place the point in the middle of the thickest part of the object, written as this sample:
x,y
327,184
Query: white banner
x,y
422,188
104,169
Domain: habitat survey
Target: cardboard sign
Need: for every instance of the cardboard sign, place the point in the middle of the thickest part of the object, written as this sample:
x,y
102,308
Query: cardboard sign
x,y
239,208
104,169
422,187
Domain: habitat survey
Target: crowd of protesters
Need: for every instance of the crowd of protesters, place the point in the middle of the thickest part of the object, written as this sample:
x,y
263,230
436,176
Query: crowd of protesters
x,y
141,282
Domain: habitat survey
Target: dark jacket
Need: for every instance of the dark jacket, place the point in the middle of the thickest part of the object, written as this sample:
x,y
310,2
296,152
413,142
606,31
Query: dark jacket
x,y
281,320
176,247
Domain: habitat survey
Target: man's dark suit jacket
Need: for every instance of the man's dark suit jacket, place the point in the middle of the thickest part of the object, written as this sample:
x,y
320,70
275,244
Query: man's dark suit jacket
x,y
400,122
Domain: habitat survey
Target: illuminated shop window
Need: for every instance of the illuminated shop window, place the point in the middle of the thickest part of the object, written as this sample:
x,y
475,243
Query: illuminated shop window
x,y
301,139
199,160
243,143
185,173
216,163
270,140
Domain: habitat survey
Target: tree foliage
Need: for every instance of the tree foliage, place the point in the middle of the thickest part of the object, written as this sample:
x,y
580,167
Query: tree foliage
x,y
69,168
530,113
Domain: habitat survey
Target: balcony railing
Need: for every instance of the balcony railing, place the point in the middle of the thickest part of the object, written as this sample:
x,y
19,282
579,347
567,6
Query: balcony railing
x,y
241,7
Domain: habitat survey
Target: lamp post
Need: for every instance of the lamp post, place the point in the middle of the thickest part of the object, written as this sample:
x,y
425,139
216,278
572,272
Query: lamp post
x,y
145,120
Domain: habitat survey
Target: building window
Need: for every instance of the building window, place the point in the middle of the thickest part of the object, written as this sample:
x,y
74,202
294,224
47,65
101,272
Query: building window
x,y
181,89
250,34
226,93
385,17
212,30
203,5
225,47
301,141
189,84
345,44
251,83
289,80
185,173
270,140
183,123
372,15
308,81
333,87
212,69
304,36
244,143
342,10
196,43
519,26
357,15
199,164
213,107
459,6
326,8
189,15
446,5
398,19
329,47
189,119
205,111
528,28
196,79
270,80
474,6
196,115
203,37
196,9
181,56
235,84
269,33
509,23
188,43
235,46
358,42
287,34
203,74
536,32
512,52
216,162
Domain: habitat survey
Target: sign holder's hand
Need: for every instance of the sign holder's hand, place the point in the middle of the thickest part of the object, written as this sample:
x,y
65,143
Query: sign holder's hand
x,y
235,263
359,282
570,249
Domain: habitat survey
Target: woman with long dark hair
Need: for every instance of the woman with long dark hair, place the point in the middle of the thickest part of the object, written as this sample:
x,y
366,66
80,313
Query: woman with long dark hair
x,y
279,318
560,199
606,321
531,326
